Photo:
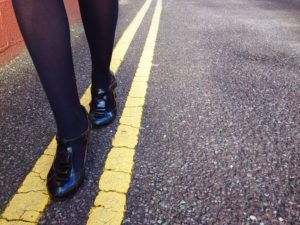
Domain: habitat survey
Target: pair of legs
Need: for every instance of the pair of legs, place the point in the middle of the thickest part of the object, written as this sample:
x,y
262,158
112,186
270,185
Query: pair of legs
x,y
45,29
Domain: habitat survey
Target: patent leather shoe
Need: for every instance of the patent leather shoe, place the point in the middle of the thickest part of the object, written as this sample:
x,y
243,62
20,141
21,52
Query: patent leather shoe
x,y
67,171
103,107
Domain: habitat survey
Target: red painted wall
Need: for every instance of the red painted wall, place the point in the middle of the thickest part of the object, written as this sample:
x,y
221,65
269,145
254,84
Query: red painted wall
x,y
11,42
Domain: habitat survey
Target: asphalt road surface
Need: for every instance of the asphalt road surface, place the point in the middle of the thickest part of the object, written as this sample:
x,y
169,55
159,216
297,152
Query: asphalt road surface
x,y
220,136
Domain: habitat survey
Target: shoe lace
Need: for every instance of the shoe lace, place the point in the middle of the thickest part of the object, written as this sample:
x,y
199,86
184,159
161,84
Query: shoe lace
x,y
64,164
101,100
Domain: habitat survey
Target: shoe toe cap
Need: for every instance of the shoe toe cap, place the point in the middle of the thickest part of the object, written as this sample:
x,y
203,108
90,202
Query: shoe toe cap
x,y
106,119
59,190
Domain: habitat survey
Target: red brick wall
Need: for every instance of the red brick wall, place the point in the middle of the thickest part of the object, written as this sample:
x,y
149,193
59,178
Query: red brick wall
x,y
11,42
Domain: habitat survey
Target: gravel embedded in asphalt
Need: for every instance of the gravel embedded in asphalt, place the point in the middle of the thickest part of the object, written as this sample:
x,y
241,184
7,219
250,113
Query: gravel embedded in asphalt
x,y
219,142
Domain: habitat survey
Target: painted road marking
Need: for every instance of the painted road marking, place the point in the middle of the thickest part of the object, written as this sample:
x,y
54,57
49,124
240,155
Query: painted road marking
x,y
109,205
29,202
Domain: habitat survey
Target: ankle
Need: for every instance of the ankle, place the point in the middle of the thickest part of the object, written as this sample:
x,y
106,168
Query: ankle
x,y
74,126
101,80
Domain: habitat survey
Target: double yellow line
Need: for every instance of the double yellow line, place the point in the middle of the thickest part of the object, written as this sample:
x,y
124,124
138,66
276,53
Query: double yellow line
x,y
109,205
29,202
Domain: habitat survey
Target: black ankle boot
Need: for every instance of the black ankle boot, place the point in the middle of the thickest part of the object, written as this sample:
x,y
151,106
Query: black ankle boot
x,y
67,171
103,107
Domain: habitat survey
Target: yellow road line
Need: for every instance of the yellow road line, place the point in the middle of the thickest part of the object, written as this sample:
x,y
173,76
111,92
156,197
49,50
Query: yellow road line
x,y
29,202
109,205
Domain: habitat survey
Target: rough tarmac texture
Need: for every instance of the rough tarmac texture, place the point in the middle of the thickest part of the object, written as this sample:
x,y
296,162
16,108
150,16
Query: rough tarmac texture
x,y
220,139
220,143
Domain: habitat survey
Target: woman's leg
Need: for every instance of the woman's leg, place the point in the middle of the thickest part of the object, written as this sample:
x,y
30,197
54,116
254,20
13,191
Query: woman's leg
x,y
100,18
45,29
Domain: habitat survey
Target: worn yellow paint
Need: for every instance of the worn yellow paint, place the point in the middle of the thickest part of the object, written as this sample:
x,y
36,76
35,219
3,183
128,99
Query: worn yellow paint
x,y
100,215
110,203
120,159
114,181
19,222
132,111
111,200
109,208
126,136
131,121
23,202
134,102
27,205
30,216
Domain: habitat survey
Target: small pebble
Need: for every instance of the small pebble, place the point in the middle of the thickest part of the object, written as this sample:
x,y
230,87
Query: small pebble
x,y
252,218
181,205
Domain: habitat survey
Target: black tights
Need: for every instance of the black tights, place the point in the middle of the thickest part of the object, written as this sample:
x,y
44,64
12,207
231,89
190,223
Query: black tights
x,y
45,29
